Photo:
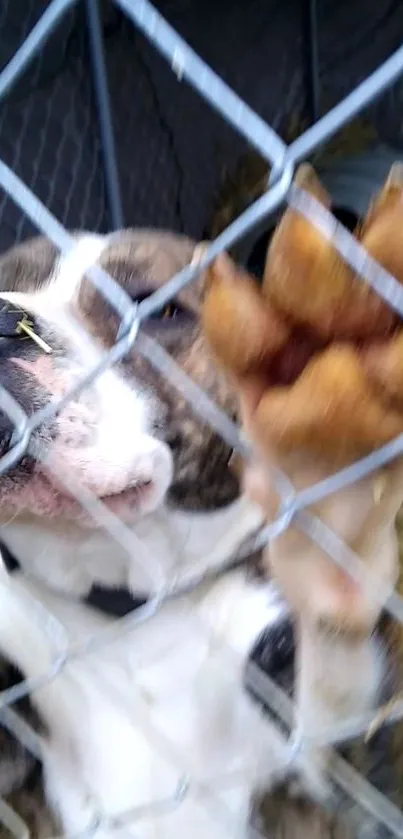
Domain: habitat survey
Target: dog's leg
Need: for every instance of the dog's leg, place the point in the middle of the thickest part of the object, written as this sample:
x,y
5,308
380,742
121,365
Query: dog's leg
x,y
339,667
338,678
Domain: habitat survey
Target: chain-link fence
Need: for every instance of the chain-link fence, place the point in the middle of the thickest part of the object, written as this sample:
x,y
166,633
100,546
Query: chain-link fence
x,y
189,67
183,149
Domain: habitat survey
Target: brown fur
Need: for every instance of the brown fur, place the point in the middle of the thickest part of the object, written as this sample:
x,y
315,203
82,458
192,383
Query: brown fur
x,y
149,268
282,818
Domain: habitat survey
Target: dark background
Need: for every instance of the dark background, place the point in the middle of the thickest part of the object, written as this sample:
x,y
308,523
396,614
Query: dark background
x,y
173,150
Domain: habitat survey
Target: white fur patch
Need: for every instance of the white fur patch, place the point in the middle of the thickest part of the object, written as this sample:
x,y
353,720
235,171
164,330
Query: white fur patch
x,y
159,705
71,267
104,438
165,701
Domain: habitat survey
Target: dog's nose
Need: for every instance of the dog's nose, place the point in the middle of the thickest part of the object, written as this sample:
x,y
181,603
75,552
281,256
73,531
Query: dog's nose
x,y
152,464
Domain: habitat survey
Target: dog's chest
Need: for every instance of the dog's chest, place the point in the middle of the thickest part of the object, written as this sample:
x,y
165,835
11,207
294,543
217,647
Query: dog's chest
x,y
164,701
181,670
184,672
157,550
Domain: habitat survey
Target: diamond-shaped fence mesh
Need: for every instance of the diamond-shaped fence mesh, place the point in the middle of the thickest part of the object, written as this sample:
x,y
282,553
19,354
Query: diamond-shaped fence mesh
x,y
182,148
51,178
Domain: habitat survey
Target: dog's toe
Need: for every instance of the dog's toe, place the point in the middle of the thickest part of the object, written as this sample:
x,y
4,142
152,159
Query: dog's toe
x,y
297,784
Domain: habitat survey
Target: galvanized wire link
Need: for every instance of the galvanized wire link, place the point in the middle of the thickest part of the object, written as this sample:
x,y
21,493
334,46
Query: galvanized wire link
x,y
187,64
245,222
202,405
294,506
353,253
349,108
48,224
344,775
12,821
33,43
22,731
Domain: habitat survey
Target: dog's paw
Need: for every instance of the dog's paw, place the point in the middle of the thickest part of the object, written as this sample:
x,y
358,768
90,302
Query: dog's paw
x,y
290,802
302,780
287,812
303,785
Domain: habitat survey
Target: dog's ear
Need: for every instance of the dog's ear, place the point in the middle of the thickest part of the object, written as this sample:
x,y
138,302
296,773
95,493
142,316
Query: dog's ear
x,y
26,267
141,261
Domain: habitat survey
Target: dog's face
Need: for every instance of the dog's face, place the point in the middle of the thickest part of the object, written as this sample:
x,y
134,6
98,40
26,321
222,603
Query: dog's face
x,y
129,437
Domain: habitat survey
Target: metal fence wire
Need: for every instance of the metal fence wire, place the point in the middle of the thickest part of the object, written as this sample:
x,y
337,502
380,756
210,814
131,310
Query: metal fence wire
x,y
189,67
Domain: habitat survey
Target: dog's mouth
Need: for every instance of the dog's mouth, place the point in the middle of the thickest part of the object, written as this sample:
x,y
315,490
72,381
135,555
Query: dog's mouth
x,y
131,497
44,496
126,503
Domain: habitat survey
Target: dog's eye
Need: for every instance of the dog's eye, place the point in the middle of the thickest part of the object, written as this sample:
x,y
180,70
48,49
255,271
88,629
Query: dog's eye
x,y
169,312
172,311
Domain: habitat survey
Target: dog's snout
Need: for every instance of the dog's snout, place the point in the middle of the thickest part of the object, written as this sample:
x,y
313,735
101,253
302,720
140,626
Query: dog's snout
x,y
152,461
152,466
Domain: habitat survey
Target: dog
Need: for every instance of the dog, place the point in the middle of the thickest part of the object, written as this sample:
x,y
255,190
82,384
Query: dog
x,y
149,729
